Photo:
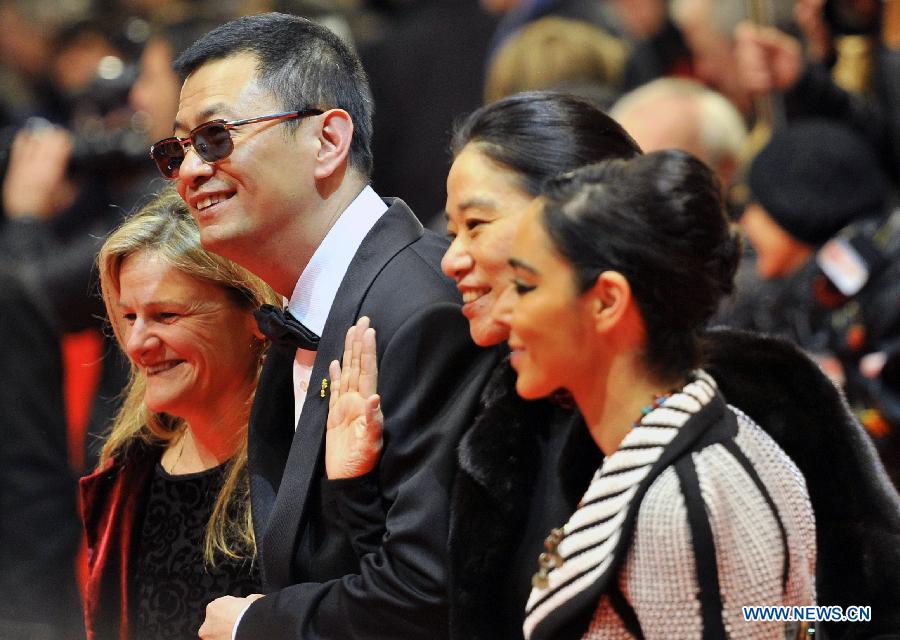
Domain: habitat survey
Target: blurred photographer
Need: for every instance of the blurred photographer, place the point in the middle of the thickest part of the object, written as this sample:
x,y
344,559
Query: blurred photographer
x,y
56,197
820,218
63,189
846,68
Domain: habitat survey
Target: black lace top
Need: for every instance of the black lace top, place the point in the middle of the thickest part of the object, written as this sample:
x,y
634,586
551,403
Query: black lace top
x,y
172,585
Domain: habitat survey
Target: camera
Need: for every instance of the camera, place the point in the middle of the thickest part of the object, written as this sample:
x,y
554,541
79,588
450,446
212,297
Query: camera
x,y
106,137
94,147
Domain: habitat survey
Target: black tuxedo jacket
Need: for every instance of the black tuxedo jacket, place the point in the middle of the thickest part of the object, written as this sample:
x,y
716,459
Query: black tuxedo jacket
x,y
430,376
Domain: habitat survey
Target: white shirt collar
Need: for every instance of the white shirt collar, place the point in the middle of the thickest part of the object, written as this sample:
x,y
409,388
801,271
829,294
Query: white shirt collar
x,y
317,287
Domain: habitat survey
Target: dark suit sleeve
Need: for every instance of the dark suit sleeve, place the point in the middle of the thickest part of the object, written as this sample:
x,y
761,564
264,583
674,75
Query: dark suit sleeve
x,y
360,510
430,377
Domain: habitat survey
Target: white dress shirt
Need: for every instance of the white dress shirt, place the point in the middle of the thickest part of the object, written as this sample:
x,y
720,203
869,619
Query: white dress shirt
x,y
314,292
317,287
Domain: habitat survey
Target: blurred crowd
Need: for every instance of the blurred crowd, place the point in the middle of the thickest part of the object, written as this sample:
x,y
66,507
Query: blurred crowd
x,y
795,105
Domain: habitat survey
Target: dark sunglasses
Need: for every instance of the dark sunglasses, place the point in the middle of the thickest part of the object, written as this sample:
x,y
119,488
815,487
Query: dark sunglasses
x,y
211,140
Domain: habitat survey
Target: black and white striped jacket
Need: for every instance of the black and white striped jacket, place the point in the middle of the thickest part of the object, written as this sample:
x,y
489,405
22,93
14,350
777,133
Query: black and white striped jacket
x,y
697,514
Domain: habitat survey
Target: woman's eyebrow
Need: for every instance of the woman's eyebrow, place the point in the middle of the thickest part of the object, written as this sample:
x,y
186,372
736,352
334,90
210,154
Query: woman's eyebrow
x,y
517,263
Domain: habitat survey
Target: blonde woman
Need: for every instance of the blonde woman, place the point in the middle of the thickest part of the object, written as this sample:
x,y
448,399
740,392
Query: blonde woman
x,y
167,512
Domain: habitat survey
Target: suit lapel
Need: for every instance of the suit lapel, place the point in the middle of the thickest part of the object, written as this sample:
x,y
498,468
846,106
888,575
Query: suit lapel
x,y
270,434
396,229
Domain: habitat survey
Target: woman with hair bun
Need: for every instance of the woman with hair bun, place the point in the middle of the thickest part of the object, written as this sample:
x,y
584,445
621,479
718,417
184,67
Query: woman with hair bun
x,y
695,511
522,465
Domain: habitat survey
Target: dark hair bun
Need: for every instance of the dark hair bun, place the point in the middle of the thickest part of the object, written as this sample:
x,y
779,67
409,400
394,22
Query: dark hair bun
x,y
657,219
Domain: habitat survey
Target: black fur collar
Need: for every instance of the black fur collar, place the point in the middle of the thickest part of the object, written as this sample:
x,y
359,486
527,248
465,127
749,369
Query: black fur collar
x,y
498,462
857,509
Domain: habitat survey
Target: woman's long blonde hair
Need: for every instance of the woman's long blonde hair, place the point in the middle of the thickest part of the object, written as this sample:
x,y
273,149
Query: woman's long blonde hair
x,y
165,228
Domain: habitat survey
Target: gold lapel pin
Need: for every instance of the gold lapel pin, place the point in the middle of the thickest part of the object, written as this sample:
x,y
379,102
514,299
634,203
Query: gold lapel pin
x,y
324,387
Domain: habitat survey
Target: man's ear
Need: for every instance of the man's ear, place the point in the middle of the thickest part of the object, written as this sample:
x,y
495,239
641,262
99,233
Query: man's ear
x,y
335,136
610,299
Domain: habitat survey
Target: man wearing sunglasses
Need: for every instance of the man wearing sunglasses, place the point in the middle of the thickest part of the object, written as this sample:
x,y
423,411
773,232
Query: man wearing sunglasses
x,y
272,154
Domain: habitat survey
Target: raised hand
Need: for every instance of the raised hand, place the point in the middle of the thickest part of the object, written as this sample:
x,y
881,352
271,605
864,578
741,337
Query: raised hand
x,y
767,59
35,183
353,433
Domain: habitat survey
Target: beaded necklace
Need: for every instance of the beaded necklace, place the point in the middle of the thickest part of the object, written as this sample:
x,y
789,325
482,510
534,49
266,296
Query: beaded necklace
x,y
658,400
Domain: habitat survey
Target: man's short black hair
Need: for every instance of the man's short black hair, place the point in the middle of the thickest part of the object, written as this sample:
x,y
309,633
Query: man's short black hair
x,y
304,64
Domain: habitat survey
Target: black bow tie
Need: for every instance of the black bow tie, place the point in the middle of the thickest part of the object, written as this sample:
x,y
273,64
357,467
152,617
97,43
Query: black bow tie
x,y
284,330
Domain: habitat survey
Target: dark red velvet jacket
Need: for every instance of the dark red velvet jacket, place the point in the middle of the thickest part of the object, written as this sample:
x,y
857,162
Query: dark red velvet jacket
x,y
112,503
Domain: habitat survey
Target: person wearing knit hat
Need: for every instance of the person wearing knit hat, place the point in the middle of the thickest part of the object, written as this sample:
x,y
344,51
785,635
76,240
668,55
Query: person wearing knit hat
x,y
820,221
811,180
